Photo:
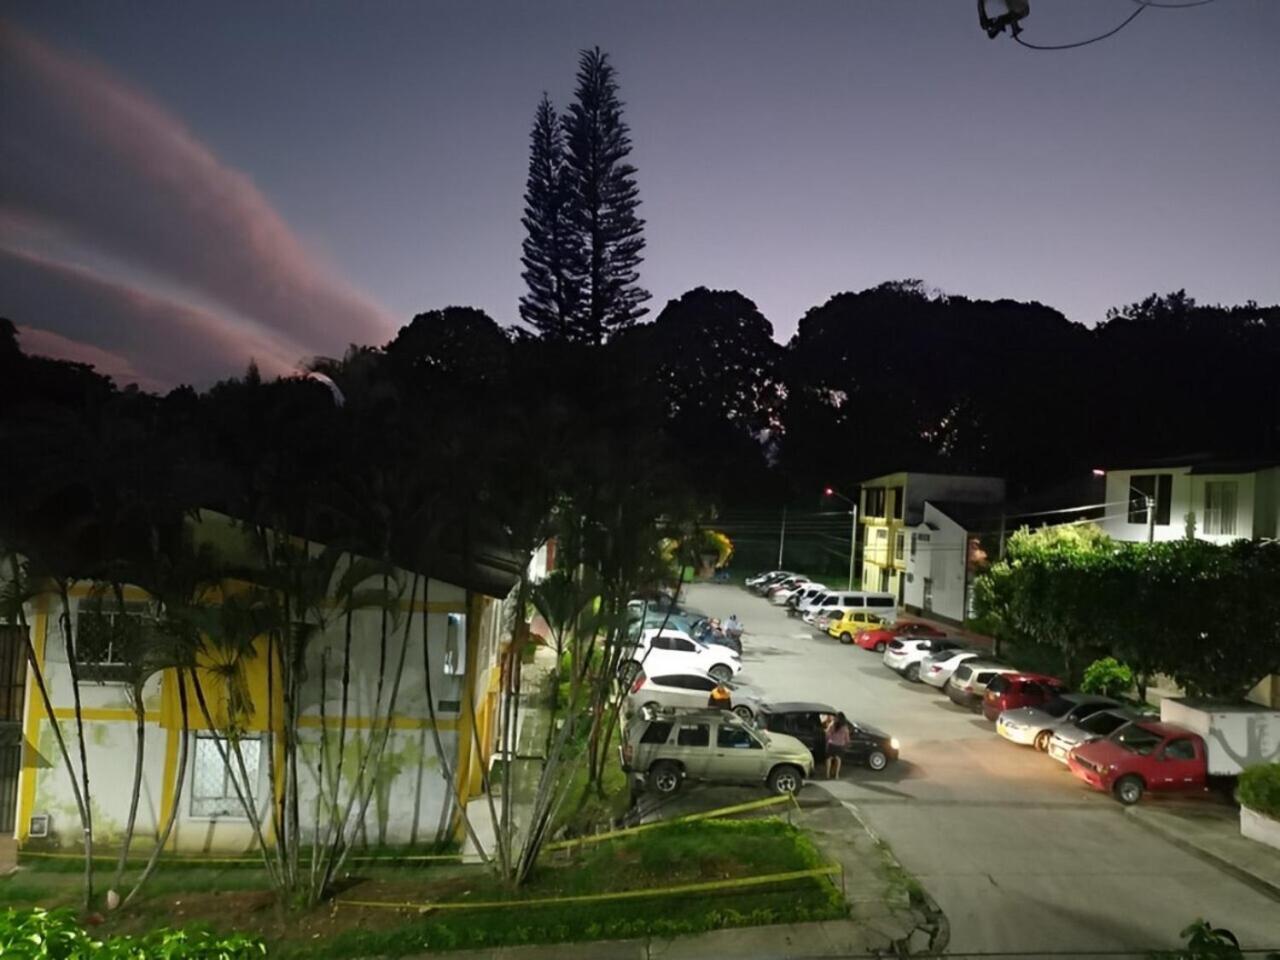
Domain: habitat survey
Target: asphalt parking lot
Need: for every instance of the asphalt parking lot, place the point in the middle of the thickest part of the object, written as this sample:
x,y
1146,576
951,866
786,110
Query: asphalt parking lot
x,y
1021,857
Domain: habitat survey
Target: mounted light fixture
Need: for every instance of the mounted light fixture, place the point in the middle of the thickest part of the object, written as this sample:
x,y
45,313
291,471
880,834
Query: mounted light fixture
x,y
1008,14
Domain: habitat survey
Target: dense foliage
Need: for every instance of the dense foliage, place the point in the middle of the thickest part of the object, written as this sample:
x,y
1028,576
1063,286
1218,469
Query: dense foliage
x,y
1206,615
39,934
1259,789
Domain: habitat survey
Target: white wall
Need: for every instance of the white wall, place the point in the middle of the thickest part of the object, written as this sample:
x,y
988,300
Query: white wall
x,y
941,559
1256,496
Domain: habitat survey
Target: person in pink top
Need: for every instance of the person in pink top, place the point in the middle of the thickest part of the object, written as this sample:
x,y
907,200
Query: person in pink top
x,y
837,742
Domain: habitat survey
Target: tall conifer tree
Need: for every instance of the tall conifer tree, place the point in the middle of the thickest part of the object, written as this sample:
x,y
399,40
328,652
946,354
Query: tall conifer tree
x,y
602,201
552,267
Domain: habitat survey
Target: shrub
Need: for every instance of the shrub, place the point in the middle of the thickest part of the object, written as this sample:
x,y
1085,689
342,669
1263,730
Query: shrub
x,y
40,934
1259,789
1108,677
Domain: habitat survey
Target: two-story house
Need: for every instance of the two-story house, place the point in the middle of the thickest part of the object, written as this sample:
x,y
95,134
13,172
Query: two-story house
x,y
893,503
1219,500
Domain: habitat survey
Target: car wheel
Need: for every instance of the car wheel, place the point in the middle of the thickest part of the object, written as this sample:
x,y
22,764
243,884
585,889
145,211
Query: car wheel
x,y
720,673
877,760
846,638
786,779
665,777
1128,790
880,647
913,673
744,712
1042,740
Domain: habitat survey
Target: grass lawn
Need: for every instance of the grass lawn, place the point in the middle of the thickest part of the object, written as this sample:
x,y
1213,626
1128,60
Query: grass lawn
x,y
230,898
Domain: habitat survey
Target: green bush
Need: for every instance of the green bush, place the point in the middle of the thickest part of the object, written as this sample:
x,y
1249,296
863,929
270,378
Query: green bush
x,y
40,934
1259,789
1108,677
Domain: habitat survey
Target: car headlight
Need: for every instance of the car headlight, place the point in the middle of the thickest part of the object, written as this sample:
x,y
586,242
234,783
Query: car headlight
x,y
893,743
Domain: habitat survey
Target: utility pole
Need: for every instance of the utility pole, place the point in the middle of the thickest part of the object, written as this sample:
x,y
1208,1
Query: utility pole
x,y
782,536
853,541
1002,522
1151,519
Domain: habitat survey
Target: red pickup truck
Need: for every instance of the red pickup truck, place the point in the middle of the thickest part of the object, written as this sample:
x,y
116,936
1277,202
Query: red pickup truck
x,y
1141,756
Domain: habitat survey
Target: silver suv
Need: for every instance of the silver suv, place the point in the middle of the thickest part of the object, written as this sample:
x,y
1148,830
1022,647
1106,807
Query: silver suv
x,y
666,748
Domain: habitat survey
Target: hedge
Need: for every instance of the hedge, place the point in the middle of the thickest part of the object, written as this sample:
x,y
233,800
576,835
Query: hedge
x,y
1260,789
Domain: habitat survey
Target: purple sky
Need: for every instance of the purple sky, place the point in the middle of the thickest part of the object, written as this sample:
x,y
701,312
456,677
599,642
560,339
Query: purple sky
x,y
183,185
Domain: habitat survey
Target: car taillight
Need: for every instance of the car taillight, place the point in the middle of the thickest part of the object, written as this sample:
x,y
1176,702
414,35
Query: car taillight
x,y
638,683
935,669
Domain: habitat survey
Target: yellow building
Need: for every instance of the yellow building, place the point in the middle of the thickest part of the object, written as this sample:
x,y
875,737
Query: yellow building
x,y
454,624
889,504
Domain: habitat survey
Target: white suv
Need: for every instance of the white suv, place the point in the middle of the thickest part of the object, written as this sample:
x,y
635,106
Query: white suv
x,y
658,652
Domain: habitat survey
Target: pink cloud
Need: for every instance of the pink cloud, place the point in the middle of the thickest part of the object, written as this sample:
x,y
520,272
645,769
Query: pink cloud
x,y
139,337
102,162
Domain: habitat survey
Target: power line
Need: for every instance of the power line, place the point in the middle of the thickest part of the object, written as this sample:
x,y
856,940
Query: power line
x,y
1084,43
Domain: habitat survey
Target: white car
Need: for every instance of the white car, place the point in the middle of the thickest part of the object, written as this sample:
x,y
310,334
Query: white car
x,y
807,597
760,578
689,691
780,597
1093,727
937,669
1035,726
906,655
659,652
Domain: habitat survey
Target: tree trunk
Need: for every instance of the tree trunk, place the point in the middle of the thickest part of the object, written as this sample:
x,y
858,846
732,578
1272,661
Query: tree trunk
x,y
140,734
73,667
177,793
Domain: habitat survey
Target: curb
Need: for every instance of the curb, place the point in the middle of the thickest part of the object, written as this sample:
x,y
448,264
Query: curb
x,y
936,924
1248,878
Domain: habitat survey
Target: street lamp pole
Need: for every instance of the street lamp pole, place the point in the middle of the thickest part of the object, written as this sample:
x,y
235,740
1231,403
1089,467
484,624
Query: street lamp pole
x,y
853,527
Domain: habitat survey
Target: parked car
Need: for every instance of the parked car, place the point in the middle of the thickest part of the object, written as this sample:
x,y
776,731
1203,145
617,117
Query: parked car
x,y
1140,756
1014,690
656,619
711,745
1036,725
688,691
780,593
882,604
906,654
867,745
969,682
701,630
800,601
660,652
1093,727
762,579
936,669
878,638
852,620
823,620
655,602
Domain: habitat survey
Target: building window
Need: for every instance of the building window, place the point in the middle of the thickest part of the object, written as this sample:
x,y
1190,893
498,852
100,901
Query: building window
x,y
914,538
1220,508
107,637
897,546
897,502
213,783
882,534
873,502
455,645
1146,487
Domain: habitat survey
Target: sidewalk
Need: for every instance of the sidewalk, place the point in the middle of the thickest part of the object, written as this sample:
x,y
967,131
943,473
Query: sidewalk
x,y
1212,833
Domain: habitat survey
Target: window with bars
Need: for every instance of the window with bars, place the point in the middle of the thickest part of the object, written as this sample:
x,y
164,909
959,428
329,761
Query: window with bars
x,y
1154,488
108,637
898,546
213,782
1220,508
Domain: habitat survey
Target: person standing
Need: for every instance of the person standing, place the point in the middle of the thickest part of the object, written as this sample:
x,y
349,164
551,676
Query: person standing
x,y
837,742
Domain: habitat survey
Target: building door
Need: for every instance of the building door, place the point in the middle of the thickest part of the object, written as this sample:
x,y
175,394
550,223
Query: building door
x,y
13,680
884,580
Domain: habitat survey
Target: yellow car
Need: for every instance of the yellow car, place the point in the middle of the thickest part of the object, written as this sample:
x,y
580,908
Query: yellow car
x,y
845,627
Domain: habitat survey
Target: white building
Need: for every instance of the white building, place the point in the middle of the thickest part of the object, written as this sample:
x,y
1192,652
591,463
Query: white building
x,y
1225,500
943,552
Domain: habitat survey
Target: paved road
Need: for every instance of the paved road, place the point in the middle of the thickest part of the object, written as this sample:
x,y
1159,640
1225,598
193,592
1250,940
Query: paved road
x,y
1018,855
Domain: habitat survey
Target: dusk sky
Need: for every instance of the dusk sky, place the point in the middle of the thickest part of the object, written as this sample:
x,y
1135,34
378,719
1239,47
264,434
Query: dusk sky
x,y
185,185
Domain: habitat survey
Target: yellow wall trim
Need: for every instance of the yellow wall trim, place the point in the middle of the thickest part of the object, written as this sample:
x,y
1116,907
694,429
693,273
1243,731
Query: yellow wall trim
x,y
365,723
31,733
99,714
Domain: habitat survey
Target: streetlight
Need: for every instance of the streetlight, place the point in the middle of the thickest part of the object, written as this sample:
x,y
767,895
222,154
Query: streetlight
x,y
853,526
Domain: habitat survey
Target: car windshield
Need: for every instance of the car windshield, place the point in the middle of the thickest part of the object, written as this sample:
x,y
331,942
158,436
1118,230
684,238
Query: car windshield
x,y
1057,707
1137,740
1101,722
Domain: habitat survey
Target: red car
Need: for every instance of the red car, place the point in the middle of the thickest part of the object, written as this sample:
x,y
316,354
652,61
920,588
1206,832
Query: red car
x,y
1008,691
879,638
1141,756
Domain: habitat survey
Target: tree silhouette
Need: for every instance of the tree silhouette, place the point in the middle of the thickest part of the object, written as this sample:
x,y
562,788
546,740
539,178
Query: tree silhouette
x,y
603,198
552,254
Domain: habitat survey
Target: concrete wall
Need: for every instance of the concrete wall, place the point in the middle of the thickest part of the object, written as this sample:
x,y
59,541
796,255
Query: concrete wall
x,y
411,802
939,559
